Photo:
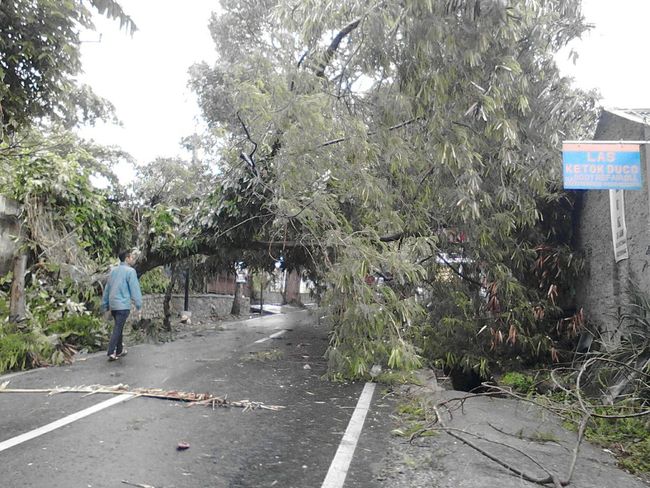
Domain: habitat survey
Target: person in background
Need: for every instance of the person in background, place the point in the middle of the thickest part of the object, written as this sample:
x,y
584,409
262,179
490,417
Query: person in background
x,y
121,289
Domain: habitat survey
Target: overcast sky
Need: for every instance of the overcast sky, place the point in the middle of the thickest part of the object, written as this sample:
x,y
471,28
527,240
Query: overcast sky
x,y
612,56
145,76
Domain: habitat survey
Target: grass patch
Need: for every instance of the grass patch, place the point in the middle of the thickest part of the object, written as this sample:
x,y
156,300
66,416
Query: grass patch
x,y
519,382
629,438
411,410
394,378
413,418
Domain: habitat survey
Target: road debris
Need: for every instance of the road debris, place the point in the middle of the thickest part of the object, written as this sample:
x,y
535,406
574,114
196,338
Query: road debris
x,y
182,445
139,485
182,396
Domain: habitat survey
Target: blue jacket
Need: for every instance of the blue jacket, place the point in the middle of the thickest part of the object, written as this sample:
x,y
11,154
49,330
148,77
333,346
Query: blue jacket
x,y
122,287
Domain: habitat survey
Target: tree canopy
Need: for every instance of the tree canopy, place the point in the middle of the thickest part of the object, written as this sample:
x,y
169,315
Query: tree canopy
x,y
69,228
39,58
415,141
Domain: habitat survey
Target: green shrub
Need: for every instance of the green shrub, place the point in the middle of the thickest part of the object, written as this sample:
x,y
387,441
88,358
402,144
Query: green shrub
x,y
13,352
80,331
154,281
21,350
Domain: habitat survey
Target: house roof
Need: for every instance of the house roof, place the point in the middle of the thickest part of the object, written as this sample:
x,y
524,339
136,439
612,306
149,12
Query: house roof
x,y
638,115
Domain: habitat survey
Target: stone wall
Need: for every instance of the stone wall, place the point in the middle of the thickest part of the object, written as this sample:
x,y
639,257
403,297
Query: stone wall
x,y
602,291
9,228
204,307
275,298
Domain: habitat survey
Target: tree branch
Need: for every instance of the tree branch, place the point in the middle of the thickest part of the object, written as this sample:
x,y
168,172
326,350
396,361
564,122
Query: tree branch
x,y
466,278
334,45
372,133
248,158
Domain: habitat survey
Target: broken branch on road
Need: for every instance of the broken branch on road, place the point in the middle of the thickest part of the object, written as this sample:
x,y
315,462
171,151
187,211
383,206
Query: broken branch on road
x,y
182,396
139,485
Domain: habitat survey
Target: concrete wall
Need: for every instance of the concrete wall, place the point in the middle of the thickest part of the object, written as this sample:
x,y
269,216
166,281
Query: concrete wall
x,y
204,307
602,291
9,228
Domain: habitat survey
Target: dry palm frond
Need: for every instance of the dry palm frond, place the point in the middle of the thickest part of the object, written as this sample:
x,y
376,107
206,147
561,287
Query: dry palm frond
x,y
182,396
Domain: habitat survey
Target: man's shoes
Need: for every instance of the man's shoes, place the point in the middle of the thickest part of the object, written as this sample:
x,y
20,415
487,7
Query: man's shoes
x,y
123,353
113,357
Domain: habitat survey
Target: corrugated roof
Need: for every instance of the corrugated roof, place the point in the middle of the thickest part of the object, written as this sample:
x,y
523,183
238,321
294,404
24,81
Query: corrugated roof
x,y
639,115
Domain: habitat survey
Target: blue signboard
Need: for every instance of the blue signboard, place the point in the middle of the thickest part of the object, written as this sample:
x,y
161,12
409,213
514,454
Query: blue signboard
x,y
592,166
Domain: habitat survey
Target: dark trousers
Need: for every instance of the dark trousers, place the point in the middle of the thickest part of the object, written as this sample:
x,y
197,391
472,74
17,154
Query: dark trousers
x,y
115,346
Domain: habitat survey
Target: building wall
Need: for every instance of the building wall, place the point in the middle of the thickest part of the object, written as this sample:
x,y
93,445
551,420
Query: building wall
x,y
603,288
9,228
224,284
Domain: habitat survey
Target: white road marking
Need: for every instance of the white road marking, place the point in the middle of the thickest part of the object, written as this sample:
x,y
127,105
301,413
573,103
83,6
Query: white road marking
x,y
14,441
341,462
262,340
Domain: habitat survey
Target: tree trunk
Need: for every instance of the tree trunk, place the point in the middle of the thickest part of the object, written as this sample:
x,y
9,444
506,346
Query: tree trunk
x,y
292,288
17,299
236,303
167,324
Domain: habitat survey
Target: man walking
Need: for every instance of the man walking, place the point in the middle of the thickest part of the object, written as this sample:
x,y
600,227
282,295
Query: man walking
x,y
121,288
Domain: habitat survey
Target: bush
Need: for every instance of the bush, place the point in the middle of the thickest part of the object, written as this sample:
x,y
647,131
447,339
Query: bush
x,y
19,350
154,281
82,331
13,352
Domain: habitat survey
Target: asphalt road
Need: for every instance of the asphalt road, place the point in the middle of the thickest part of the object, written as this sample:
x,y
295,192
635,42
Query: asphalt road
x,y
135,441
